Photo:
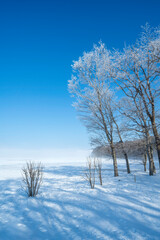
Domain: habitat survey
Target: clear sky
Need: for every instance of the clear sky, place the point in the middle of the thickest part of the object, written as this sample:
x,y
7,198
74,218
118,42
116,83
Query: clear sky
x,y
38,42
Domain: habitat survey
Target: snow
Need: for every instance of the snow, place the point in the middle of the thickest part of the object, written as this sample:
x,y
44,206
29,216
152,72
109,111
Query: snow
x,y
125,207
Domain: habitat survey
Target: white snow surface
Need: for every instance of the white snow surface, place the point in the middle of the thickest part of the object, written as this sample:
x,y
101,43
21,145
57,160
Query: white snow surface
x,y
125,207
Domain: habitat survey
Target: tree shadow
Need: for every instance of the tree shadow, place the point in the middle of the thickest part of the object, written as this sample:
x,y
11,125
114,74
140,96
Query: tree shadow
x,y
67,208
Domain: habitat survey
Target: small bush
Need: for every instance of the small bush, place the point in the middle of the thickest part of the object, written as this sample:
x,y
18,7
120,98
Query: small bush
x,y
32,176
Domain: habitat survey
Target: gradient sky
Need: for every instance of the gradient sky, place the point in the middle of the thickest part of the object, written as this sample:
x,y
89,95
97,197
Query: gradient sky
x,y
38,42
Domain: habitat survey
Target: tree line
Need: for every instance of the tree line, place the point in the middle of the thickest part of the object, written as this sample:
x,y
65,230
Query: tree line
x,y
135,149
117,95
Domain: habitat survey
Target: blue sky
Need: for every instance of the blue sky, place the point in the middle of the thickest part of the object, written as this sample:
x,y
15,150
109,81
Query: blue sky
x,y
39,40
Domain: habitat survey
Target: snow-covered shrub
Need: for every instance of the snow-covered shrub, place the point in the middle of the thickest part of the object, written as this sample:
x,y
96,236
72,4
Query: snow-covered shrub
x,y
32,176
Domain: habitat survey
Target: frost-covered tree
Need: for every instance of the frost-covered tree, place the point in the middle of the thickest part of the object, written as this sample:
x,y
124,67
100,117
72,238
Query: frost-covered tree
x,y
136,120
137,73
94,100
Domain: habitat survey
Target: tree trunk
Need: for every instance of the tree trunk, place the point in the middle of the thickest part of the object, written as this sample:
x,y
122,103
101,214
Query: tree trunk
x,y
149,154
127,162
123,150
157,140
151,171
145,161
151,162
151,151
114,161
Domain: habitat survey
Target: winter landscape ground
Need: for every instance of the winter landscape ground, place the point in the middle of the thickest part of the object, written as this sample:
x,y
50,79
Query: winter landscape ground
x,y
125,207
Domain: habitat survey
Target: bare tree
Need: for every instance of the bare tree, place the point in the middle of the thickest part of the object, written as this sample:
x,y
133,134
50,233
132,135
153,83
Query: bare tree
x,y
32,176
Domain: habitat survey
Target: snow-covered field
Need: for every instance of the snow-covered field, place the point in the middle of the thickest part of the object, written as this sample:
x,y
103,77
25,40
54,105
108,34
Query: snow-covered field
x,y
126,207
